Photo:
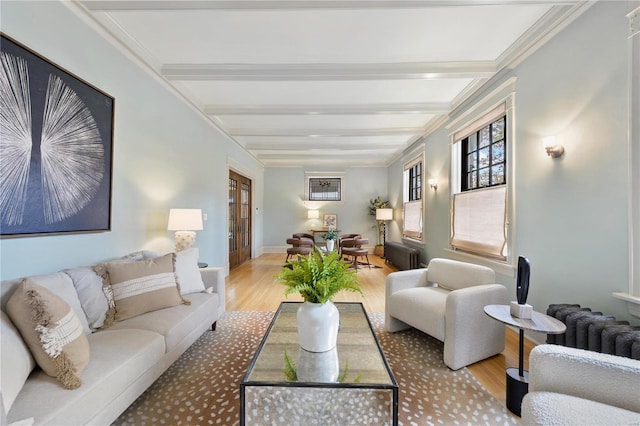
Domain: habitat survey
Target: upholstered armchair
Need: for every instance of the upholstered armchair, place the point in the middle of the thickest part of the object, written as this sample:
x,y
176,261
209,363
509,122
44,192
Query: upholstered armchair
x,y
569,386
299,246
446,300
302,235
353,247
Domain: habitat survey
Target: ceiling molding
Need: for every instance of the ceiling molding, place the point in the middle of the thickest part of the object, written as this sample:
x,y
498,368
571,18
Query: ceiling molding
x,y
324,72
375,109
321,133
554,21
131,5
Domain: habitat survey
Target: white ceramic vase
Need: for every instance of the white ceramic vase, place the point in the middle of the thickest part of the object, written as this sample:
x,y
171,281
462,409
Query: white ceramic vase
x,y
319,367
330,245
318,325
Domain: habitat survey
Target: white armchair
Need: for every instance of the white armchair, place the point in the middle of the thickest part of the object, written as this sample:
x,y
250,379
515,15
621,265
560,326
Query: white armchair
x,y
446,301
569,386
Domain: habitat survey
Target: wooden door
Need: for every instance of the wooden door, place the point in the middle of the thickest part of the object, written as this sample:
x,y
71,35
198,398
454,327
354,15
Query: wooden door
x,y
239,219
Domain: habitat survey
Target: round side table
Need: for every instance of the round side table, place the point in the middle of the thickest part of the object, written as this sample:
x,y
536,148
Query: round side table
x,y
518,378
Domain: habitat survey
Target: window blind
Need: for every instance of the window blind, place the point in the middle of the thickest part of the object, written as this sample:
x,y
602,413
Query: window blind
x,y
412,221
479,219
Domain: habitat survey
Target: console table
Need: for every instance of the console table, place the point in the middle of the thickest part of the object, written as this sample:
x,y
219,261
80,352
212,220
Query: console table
x,y
518,378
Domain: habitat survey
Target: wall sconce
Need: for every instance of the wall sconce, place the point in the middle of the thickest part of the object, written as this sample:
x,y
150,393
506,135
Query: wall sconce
x,y
313,214
433,184
553,150
185,222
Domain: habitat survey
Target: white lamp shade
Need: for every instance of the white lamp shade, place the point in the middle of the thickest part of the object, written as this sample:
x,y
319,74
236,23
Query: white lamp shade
x,y
313,214
185,220
384,214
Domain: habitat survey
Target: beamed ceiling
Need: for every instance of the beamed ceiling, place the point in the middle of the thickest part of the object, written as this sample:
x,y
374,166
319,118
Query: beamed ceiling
x,y
330,83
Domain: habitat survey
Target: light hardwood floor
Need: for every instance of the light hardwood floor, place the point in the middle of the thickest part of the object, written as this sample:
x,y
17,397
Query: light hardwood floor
x,y
253,287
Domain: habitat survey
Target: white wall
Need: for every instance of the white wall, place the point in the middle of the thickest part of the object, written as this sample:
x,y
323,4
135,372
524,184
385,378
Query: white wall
x,y
570,213
165,153
285,210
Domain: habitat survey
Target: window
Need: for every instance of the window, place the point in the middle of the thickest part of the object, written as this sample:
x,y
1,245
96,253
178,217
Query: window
x,y
479,171
325,189
483,160
324,186
412,194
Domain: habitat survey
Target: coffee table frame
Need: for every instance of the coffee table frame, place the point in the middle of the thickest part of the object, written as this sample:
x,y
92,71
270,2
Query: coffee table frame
x,y
390,386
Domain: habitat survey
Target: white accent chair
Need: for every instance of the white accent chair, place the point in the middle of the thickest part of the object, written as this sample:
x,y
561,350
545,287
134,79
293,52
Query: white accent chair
x,y
446,300
569,386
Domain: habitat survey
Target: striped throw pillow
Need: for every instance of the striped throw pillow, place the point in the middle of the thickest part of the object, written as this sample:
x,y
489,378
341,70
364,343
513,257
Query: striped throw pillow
x,y
135,288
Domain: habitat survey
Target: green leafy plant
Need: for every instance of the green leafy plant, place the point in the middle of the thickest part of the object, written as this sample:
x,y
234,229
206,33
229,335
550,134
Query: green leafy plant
x,y
319,277
375,204
330,235
291,371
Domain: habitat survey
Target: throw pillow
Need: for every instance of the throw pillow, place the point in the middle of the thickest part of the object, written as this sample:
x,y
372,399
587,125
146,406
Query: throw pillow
x,y
188,272
52,332
16,362
94,303
136,288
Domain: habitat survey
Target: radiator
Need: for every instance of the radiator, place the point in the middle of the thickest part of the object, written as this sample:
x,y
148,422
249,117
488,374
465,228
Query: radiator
x,y
403,257
594,331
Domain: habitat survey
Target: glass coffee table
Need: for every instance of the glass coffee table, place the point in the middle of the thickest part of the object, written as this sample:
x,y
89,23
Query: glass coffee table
x,y
350,385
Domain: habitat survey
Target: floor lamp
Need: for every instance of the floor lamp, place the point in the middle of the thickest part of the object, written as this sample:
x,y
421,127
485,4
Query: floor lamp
x,y
384,215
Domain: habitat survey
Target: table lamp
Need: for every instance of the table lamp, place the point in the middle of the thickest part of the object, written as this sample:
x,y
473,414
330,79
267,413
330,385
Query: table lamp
x,y
185,222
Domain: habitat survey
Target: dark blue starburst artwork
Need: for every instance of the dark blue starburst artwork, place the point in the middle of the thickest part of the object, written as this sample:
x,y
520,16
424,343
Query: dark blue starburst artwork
x,y
56,136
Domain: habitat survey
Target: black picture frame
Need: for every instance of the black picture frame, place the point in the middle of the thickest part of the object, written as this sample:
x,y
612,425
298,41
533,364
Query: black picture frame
x,y
56,147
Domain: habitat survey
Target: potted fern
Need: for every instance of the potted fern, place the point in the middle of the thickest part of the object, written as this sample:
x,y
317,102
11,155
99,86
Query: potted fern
x,y
318,278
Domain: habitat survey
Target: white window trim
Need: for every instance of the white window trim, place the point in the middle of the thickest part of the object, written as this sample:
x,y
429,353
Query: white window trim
x,y
633,297
412,158
503,94
324,175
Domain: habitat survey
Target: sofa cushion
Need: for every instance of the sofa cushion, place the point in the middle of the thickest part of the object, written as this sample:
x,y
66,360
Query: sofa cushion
x,y
550,408
454,275
16,361
176,322
422,307
118,360
140,287
188,272
52,331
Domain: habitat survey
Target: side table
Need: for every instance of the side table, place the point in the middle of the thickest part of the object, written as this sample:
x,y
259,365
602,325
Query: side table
x,y
518,378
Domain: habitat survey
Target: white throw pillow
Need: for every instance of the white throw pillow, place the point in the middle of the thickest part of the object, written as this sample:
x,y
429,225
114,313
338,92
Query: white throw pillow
x,y
94,303
16,362
188,272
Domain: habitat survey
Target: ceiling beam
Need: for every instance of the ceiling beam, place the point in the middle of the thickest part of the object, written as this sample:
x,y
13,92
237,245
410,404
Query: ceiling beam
x,y
321,133
323,72
124,5
374,109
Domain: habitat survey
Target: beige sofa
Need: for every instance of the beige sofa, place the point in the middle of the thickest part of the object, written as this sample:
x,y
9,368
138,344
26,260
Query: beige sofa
x,y
125,359
569,386
446,301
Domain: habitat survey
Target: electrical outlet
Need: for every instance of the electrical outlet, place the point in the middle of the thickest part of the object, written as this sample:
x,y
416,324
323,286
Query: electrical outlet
x,y
204,216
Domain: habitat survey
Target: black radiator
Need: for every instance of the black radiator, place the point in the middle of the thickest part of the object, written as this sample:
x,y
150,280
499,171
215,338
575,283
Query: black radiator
x,y
403,257
594,331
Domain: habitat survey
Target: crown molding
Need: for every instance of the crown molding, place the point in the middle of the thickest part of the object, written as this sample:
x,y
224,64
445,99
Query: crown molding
x,y
554,21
